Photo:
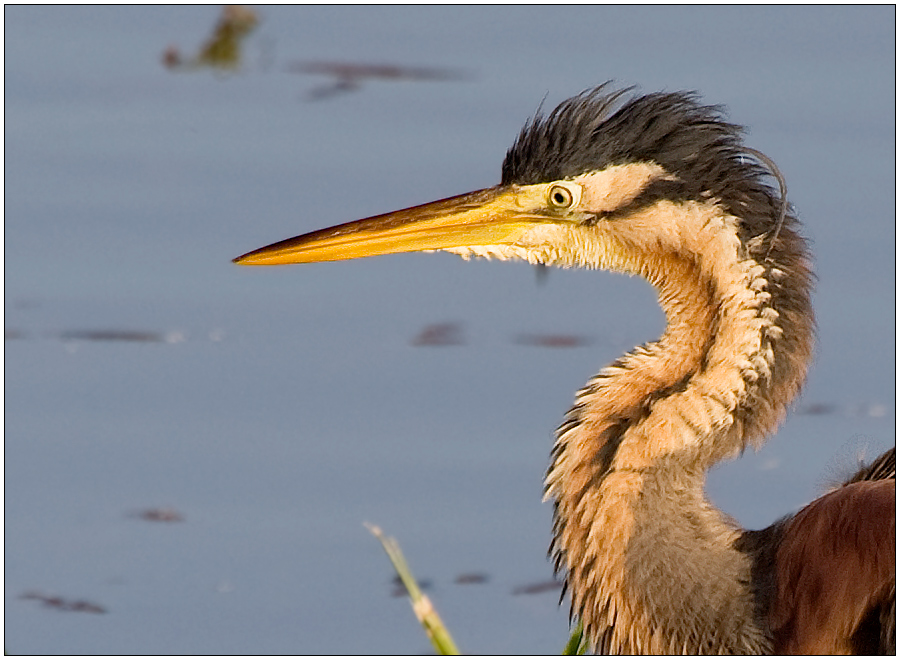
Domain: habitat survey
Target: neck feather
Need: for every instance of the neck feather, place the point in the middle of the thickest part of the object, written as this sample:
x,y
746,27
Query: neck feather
x,y
650,562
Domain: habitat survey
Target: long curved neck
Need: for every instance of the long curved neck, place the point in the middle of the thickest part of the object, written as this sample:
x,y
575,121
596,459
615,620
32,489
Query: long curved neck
x,y
650,563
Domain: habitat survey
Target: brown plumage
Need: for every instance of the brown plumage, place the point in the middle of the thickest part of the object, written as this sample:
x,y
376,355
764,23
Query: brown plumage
x,y
661,186
825,576
833,569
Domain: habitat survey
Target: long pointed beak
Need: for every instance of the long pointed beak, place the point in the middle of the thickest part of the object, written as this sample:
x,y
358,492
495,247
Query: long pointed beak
x,y
486,217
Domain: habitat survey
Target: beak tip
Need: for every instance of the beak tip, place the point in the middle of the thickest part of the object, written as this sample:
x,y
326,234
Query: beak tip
x,y
245,260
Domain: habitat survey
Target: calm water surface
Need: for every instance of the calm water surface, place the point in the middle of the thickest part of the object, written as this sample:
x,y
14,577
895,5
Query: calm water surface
x,y
275,410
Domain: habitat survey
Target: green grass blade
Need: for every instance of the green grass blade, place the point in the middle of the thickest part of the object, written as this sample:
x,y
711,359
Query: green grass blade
x,y
576,644
426,614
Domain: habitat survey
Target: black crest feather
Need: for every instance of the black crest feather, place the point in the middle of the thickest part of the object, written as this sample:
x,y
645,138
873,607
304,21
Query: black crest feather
x,y
606,126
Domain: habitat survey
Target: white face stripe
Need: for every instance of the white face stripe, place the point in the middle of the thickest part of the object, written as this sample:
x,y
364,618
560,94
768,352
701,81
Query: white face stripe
x,y
614,187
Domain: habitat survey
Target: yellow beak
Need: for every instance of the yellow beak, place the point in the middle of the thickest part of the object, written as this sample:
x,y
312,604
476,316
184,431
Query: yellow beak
x,y
494,216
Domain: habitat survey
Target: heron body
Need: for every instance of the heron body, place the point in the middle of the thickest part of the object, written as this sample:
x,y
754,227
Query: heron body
x,y
661,186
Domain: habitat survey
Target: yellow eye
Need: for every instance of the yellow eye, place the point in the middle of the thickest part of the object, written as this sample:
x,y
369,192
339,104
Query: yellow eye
x,y
560,197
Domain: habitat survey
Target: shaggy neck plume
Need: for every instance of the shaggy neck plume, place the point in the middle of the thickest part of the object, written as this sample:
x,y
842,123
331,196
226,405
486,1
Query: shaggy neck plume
x,y
633,530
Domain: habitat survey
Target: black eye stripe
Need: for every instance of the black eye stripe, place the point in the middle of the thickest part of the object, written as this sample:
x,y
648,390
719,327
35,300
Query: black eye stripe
x,y
672,190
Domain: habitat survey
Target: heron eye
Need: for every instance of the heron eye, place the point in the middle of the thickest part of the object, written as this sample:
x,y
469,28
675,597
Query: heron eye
x,y
560,197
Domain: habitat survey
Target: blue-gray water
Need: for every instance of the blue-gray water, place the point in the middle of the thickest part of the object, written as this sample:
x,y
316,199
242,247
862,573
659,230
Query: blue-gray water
x,y
278,409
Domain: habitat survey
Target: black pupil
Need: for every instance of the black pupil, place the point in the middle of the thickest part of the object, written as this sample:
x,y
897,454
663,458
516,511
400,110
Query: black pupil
x,y
559,198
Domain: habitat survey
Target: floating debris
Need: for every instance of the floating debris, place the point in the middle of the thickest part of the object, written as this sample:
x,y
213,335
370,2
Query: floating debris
x,y
141,336
164,514
858,410
399,589
817,409
63,604
349,76
113,335
71,337
553,340
223,49
537,588
471,578
440,334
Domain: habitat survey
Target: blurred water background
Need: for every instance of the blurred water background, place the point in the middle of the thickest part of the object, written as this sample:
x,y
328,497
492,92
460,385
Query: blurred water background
x,y
192,447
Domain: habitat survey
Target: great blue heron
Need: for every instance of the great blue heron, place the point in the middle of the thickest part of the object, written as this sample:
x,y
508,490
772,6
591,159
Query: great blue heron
x,y
661,186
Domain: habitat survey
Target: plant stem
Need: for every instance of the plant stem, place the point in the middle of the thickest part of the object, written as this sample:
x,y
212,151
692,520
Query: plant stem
x,y
426,614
